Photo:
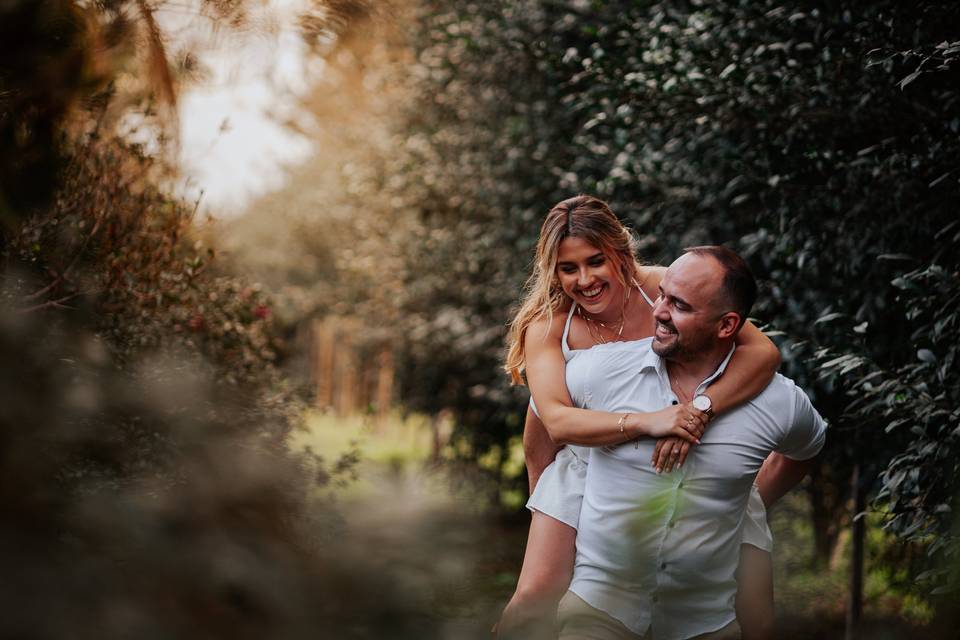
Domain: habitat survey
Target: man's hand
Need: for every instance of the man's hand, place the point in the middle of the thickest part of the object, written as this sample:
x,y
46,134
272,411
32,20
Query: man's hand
x,y
670,453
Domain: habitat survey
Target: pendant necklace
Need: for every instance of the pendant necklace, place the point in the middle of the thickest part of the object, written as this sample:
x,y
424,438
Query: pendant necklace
x,y
594,326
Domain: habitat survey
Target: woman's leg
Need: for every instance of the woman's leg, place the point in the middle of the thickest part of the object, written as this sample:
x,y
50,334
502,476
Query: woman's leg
x,y
544,578
755,593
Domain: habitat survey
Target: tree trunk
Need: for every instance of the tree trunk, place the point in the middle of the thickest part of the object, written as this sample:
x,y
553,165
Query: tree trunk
x,y
855,601
384,385
324,341
828,511
346,375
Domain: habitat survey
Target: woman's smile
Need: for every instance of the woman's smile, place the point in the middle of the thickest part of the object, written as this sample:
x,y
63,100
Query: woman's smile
x,y
594,293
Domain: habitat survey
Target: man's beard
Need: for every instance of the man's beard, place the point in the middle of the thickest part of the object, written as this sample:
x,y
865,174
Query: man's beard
x,y
688,347
667,350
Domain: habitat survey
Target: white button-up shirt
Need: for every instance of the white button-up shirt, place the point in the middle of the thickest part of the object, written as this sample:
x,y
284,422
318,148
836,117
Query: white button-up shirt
x,y
660,551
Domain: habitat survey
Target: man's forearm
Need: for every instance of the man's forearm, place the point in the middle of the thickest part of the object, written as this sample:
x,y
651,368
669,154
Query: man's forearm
x,y
778,475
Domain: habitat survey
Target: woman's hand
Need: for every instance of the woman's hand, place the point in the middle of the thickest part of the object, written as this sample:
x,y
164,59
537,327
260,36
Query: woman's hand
x,y
679,421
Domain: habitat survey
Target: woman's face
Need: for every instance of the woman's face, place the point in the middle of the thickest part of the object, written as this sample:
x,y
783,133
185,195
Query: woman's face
x,y
588,276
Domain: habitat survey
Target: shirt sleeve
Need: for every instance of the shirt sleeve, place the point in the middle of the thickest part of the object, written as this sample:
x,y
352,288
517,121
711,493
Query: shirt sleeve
x,y
807,430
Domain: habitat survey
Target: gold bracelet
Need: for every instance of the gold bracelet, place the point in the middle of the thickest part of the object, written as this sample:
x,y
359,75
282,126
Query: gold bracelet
x,y
620,423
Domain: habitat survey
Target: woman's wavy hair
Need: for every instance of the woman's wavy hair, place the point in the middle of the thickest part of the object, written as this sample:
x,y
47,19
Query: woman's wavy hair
x,y
582,217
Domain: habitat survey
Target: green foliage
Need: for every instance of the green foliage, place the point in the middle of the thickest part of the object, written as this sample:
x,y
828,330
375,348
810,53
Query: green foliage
x,y
917,401
147,489
818,139
129,252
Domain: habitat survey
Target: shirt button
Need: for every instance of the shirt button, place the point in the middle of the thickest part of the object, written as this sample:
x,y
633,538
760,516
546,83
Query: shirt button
x,y
656,599
663,565
674,402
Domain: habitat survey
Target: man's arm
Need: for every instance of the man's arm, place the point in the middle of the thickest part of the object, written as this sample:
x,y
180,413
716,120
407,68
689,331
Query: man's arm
x,y
778,475
538,449
783,469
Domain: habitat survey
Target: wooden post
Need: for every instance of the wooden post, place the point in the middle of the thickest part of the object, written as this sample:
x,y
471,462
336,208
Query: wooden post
x,y
855,603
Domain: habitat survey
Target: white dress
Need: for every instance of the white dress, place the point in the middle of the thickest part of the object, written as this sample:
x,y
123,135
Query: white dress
x,y
559,492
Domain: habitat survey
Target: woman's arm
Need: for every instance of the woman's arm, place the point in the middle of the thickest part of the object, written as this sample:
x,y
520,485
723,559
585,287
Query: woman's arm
x,y
749,371
538,449
566,424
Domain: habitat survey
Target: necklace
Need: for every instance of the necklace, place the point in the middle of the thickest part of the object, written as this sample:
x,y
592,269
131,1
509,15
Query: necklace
x,y
594,326
683,395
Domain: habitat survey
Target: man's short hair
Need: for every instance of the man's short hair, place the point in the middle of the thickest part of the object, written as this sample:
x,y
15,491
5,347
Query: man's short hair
x,y
739,287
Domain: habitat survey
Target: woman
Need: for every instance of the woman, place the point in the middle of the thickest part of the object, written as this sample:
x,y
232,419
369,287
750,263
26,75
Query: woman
x,y
588,294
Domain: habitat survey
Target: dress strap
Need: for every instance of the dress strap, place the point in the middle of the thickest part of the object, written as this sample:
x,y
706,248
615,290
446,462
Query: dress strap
x,y
564,347
644,294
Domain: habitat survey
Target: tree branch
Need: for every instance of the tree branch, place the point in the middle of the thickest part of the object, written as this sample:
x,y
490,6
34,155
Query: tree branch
x,y
49,303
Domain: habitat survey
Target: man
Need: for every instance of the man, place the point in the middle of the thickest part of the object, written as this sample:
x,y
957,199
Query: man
x,y
657,553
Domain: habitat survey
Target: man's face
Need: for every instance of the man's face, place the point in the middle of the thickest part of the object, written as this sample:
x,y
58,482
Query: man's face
x,y
687,313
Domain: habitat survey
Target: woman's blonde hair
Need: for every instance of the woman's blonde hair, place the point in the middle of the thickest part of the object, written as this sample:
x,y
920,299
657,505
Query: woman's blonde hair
x,y
582,217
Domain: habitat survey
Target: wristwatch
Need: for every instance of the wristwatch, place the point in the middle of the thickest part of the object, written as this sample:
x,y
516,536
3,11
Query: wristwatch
x,y
703,403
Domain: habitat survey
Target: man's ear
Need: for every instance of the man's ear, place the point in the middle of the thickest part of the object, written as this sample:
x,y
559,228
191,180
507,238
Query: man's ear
x,y
729,323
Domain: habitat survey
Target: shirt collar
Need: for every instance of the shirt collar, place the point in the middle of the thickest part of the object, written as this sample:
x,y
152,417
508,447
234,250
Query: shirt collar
x,y
716,374
652,361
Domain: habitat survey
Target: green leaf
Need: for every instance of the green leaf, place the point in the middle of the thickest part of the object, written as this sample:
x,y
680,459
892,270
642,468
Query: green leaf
x,y
910,78
904,284
828,317
947,588
939,180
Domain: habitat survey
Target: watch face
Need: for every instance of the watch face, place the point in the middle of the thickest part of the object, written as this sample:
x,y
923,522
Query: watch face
x,y
702,403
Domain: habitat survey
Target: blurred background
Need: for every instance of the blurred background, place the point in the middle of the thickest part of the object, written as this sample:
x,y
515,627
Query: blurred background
x,y
258,259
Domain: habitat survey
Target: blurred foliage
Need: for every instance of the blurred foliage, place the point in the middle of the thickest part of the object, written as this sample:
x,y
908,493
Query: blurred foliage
x,y
129,252
36,98
325,243
811,601
146,505
819,139
147,486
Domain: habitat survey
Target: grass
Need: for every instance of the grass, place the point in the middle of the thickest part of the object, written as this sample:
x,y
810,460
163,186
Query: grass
x,y
396,449
416,515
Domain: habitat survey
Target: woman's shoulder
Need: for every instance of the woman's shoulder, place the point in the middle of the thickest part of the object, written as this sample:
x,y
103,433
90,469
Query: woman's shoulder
x,y
650,277
652,274
549,326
